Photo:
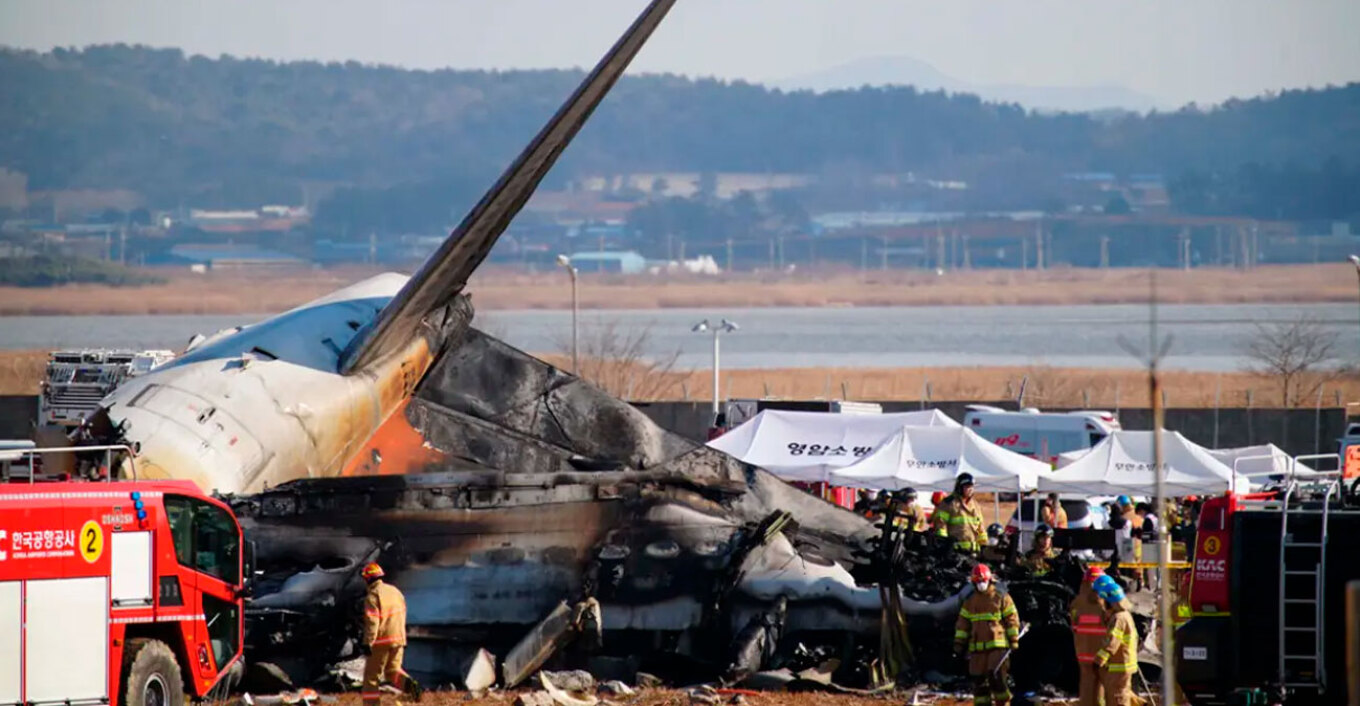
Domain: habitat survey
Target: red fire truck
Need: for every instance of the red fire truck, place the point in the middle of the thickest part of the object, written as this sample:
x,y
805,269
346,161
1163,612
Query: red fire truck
x,y
124,592
1268,593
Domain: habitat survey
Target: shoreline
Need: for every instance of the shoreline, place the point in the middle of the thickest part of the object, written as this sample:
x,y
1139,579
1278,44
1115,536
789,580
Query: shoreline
x,y
264,293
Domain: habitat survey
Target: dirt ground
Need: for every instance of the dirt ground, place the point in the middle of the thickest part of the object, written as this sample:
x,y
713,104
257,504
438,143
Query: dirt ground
x,y
678,697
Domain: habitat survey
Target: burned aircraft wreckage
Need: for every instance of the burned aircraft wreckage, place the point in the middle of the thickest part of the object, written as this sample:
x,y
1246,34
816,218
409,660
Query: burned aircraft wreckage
x,y
376,423
505,487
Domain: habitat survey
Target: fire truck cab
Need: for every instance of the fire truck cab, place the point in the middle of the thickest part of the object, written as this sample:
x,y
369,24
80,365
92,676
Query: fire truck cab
x,y
125,592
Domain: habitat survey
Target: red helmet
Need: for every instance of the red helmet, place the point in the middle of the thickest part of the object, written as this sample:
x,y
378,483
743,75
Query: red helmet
x,y
372,571
1191,498
981,573
1094,573
937,497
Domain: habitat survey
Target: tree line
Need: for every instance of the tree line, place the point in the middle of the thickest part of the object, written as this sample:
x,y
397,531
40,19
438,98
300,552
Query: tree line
x,y
409,148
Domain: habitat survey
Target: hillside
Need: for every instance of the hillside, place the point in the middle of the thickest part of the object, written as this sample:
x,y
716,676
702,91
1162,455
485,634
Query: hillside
x,y
223,132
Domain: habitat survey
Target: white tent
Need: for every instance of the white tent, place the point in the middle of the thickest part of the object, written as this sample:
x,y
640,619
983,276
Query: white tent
x,y
1261,461
929,458
1067,458
807,446
1122,463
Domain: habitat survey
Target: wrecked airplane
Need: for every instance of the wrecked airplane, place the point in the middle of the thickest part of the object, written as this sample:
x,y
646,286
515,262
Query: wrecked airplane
x,y
519,506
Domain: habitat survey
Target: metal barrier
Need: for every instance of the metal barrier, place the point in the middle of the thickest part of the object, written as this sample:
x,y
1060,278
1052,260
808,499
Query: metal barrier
x,y
109,450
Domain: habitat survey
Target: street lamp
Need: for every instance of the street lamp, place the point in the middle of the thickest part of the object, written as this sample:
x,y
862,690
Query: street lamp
x,y
565,263
724,327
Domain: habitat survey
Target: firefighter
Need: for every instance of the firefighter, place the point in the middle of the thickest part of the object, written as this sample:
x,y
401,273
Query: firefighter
x,y
1181,614
1088,633
988,630
1052,512
959,517
1039,559
384,635
909,515
998,546
1116,660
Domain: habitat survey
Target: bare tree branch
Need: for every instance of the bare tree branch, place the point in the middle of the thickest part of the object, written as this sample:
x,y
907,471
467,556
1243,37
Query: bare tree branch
x,y
1293,353
615,359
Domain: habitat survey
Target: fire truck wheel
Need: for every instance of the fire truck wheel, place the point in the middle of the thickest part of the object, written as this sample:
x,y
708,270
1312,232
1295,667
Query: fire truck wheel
x,y
151,675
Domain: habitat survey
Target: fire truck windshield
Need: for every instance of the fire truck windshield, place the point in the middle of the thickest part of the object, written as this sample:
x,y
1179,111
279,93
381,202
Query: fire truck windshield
x,y
206,538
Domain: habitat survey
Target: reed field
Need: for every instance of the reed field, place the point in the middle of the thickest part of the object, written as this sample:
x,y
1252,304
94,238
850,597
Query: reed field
x,y
20,372
264,292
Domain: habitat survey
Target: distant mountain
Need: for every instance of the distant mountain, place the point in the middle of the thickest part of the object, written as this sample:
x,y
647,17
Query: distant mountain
x,y
907,71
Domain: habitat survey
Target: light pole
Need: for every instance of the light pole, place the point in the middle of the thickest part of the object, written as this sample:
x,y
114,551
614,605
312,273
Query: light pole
x,y
1355,260
719,329
565,263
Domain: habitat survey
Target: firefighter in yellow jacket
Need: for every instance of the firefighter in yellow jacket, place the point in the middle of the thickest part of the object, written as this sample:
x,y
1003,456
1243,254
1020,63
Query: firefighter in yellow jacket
x,y
988,628
1116,660
1039,560
384,635
959,517
910,516
1088,633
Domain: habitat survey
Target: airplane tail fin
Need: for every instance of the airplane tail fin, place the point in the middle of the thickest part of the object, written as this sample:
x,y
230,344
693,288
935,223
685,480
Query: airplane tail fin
x,y
443,276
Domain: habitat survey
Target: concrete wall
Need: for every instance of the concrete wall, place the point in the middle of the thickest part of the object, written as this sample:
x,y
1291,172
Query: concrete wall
x,y
17,415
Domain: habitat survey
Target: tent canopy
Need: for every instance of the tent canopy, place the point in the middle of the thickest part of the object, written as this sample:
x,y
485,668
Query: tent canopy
x,y
1261,461
807,446
929,458
1122,463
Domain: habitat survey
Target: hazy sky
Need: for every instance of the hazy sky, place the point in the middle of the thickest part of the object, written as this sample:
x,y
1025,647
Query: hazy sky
x,y
1173,50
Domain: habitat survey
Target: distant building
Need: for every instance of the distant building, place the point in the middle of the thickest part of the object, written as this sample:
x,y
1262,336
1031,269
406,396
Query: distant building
x,y
628,263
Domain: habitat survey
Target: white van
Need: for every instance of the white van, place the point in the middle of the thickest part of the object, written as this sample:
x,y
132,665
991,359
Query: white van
x,y
1040,435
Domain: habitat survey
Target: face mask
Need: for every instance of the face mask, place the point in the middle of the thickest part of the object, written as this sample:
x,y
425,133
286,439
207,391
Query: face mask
x,y
982,586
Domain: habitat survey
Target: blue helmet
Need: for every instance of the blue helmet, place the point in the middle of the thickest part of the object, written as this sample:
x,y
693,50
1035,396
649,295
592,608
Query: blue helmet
x,y
1124,500
1107,588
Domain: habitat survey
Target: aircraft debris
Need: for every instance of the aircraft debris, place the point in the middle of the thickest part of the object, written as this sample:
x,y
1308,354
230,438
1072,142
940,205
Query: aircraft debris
x,y
479,672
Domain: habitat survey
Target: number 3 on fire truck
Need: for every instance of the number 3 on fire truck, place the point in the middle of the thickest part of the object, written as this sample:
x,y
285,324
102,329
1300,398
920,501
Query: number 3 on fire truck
x,y
91,541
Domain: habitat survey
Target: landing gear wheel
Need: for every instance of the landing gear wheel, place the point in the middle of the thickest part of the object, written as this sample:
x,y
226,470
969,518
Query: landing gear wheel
x,y
151,676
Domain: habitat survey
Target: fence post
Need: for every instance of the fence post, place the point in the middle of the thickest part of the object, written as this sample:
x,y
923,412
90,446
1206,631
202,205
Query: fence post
x,y
1116,399
1317,423
1251,432
845,390
1218,393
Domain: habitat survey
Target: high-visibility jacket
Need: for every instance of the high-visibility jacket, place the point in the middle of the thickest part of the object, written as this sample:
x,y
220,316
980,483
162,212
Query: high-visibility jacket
x,y
1120,651
1056,520
987,621
960,520
1180,613
910,517
1037,561
384,615
1088,624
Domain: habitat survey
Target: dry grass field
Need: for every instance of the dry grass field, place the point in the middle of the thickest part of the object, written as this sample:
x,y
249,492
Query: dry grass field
x,y
20,372
1046,387
228,292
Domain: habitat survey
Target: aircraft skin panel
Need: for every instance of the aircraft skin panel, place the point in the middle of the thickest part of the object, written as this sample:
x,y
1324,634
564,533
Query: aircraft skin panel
x,y
278,382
